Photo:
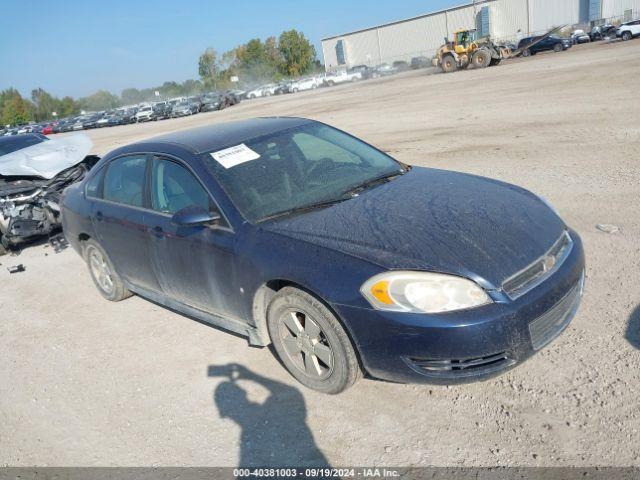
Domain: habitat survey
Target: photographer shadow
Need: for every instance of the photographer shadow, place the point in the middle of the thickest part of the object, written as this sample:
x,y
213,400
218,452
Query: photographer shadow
x,y
633,328
274,433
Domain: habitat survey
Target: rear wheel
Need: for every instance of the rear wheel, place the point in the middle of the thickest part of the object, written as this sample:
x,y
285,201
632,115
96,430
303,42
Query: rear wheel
x,y
626,36
449,64
481,58
103,274
311,342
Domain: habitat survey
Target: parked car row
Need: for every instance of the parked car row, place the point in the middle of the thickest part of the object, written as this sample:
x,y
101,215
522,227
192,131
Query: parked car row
x,y
625,31
329,79
177,107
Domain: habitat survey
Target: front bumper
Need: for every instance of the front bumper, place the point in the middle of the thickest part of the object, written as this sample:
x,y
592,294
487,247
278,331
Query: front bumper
x,y
469,345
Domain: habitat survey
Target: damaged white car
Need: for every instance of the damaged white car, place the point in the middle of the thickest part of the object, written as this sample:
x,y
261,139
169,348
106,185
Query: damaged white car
x,y
34,171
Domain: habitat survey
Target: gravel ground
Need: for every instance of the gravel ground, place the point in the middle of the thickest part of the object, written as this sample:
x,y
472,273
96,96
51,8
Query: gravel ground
x,y
88,382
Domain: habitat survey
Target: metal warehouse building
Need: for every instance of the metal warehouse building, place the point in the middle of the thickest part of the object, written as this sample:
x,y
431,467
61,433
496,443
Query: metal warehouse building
x,y
504,20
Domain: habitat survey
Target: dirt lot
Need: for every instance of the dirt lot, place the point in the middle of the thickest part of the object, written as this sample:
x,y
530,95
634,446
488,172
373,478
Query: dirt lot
x,y
87,382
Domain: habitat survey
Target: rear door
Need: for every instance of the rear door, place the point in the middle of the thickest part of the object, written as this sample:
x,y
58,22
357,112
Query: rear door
x,y
118,216
194,265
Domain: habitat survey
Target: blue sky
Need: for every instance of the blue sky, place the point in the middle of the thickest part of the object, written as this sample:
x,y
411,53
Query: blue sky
x,y
74,47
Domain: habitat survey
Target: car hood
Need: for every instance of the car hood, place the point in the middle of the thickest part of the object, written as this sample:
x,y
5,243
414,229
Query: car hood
x,y
46,159
435,220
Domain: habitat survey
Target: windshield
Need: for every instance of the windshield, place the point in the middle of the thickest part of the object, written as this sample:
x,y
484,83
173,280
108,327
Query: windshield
x,y
18,142
297,168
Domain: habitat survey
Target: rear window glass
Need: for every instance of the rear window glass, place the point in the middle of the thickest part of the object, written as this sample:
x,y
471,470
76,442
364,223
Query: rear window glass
x,y
124,181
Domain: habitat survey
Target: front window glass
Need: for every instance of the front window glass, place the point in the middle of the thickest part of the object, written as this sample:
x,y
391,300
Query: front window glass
x,y
298,167
124,181
173,188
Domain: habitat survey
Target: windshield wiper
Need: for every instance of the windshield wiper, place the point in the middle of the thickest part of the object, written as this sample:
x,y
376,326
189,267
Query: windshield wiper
x,y
306,208
373,182
346,195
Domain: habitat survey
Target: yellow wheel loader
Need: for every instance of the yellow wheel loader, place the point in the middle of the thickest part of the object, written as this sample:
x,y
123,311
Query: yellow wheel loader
x,y
467,49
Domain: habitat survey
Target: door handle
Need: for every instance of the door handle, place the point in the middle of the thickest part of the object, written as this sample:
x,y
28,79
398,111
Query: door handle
x,y
158,232
99,216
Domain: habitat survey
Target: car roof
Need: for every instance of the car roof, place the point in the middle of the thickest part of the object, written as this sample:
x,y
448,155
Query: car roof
x,y
213,137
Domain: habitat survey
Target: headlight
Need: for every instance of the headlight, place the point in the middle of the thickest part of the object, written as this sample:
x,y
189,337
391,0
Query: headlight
x,y
422,292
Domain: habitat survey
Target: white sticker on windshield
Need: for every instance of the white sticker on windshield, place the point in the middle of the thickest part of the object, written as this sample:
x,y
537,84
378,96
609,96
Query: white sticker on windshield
x,y
230,157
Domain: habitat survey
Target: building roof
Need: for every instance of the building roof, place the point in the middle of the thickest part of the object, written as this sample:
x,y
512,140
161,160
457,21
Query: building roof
x,y
437,12
217,136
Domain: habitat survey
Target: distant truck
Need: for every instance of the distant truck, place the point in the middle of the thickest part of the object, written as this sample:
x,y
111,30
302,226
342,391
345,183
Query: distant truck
x,y
341,76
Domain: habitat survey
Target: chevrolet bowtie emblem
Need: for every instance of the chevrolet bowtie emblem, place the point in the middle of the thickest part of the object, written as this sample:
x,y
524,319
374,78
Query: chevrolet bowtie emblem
x,y
548,263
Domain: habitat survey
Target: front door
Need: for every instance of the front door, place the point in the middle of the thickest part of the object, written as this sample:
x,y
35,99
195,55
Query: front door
x,y
194,265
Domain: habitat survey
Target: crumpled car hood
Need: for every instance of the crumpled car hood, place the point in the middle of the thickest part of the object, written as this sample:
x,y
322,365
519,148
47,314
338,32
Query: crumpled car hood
x,y
46,159
435,220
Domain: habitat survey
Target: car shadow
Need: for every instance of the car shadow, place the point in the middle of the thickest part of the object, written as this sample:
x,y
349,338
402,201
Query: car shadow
x,y
633,328
274,433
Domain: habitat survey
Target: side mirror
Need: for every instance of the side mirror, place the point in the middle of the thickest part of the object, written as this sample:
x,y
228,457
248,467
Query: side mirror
x,y
193,216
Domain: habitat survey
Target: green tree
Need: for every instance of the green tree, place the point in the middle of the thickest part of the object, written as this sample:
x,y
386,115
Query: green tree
x,y
101,100
208,67
67,107
297,52
130,96
44,104
15,111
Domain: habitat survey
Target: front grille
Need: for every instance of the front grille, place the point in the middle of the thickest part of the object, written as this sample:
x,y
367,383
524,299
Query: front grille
x,y
461,367
548,326
535,273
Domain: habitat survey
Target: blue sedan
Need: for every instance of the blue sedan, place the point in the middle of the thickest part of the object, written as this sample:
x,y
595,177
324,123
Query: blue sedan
x,y
349,262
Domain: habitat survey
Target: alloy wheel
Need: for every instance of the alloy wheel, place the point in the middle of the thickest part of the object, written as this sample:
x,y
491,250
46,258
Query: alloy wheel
x,y
101,271
306,345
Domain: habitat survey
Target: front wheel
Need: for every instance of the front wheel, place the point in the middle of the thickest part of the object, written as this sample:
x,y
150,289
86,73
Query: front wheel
x,y
449,64
481,59
103,274
626,36
557,48
311,342
526,53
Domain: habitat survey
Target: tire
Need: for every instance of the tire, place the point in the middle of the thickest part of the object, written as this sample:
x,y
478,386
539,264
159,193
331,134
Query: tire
x,y
331,83
300,326
557,47
626,36
448,64
481,58
526,53
97,259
